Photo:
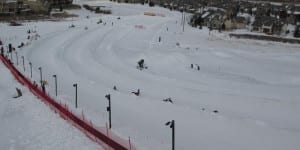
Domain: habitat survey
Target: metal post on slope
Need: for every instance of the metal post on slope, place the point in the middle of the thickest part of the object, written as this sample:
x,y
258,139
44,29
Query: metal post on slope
x,y
173,135
17,58
109,109
171,124
23,63
30,64
75,85
41,75
55,80
11,58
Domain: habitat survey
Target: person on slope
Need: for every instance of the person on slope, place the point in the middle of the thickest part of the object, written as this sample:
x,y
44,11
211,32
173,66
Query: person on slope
x,y
141,64
19,93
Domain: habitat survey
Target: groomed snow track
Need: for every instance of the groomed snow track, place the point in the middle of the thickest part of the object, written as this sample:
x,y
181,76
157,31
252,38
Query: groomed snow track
x,y
96,134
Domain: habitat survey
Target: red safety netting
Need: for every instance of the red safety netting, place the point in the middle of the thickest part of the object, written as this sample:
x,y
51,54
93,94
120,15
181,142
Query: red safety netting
x,y
102,136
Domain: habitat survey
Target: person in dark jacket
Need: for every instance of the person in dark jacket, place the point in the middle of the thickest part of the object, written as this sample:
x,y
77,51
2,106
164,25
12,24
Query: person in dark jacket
x,y
141,64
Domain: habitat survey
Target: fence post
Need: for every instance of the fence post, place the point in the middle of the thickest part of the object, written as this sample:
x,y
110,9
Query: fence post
x,y
129,143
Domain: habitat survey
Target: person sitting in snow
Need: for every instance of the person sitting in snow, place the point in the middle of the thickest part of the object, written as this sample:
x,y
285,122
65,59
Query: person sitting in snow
x,y
136,93
22,44
19,93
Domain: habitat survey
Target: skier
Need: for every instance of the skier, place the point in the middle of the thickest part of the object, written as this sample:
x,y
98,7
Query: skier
x,y
1,42
115,88
159,39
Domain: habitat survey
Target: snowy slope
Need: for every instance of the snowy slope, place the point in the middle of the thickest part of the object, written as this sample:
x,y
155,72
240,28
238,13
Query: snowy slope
x,y
253,84
27,123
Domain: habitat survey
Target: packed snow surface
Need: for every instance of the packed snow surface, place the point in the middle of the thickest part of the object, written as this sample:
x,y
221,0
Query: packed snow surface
x,y
28,124
253,85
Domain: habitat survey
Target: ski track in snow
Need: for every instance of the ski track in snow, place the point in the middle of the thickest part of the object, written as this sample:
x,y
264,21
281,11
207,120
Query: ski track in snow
x,y
253,84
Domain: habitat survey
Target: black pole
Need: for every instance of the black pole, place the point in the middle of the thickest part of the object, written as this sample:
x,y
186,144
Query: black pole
x,y
23,63
30,64
55,78
173,135
41,75
17,58
75,85
109,109
171,124
11,58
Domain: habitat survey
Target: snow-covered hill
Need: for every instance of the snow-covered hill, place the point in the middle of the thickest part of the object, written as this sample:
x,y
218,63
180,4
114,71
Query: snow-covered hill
x,y
254,85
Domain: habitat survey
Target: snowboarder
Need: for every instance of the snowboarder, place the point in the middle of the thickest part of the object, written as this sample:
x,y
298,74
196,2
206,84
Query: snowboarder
x,y
159,39
141,64
1,42
168,100
192,66
198,67
136,93
19,93
115,88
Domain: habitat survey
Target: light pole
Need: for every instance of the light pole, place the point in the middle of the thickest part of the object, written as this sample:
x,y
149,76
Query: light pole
x,y
23,63
172,125
11,57
17,57
109,108
41,75
75,85
55,78
30,64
